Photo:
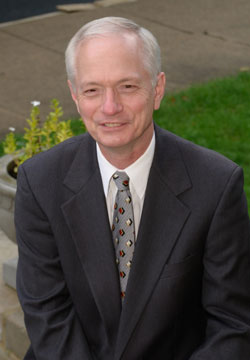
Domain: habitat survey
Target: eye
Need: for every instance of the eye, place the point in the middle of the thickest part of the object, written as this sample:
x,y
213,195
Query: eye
x,y
90,92
128,88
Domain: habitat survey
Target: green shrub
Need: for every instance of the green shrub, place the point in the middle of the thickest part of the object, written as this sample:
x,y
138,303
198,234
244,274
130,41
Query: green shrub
x,y
38,137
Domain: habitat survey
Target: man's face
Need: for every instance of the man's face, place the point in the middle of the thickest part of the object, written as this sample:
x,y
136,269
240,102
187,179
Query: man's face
x,y
114,94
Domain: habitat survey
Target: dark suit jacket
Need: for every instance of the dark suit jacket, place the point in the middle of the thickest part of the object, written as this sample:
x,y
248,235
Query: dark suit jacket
x,y
188,294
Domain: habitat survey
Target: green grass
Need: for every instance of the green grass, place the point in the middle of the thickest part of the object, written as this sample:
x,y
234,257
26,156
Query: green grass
x,y
215,115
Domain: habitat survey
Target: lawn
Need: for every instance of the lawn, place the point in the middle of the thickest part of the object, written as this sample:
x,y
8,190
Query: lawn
x,y
215,115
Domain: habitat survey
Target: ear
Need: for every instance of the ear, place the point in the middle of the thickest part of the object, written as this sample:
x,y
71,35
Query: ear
x,y
159,90
73,94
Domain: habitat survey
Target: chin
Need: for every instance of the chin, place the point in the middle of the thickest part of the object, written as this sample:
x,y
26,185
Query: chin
x,y
114,141
114,144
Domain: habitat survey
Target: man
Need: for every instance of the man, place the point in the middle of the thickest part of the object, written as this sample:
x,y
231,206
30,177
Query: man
x,y
184,290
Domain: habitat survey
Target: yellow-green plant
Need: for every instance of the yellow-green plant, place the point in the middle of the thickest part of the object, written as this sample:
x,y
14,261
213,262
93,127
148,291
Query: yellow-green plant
x,y
10,143
38,137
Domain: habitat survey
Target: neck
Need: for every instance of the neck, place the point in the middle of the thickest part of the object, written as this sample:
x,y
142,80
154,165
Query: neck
x,y
123,161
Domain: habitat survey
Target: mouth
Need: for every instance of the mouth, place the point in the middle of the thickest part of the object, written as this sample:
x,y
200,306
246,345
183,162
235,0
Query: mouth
x,y
112,125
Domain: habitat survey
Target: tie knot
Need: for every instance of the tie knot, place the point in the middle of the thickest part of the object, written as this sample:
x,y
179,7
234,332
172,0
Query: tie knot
x,y
121,180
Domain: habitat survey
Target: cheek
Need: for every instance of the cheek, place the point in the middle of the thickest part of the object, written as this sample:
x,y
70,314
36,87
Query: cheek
x,y
144,110
139,106
86,109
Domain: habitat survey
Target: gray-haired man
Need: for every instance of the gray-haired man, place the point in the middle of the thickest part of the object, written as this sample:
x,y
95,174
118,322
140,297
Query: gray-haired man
x,y
184,290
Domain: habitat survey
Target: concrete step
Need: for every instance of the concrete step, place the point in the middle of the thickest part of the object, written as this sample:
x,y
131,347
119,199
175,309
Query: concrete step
x,y
13,338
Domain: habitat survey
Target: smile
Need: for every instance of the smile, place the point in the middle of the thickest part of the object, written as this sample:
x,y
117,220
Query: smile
x,y
112,124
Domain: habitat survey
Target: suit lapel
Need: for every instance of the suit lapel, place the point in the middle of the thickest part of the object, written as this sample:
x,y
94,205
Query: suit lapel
x,y
86,215
162,220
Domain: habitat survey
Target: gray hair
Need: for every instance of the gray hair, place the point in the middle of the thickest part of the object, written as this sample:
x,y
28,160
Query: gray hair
x,y
114,25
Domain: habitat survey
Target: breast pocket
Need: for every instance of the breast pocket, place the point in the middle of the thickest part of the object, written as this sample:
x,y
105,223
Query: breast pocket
x,y
187,265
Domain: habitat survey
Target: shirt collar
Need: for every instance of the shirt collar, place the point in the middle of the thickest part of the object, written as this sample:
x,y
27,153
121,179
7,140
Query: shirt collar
x,y
138,171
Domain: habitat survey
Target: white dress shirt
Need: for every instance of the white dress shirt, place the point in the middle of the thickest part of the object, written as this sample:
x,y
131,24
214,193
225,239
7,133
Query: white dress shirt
x,y
138,173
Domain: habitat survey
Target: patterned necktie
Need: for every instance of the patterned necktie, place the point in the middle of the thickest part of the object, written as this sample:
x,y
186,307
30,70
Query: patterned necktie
x,y
123,228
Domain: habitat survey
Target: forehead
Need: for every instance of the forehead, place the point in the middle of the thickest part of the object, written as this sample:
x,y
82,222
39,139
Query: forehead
x,y
123,46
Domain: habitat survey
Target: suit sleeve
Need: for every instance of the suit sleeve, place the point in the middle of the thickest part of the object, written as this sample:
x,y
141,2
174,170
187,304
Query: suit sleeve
x,y
52,324
226,280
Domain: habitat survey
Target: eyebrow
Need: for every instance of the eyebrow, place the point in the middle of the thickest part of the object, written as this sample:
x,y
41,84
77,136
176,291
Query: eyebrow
x,y
91,83
132,78
127,79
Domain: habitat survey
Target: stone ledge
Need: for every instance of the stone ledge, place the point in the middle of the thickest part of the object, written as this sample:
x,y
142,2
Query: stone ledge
x,y
6,355
11,324
106,3
75,7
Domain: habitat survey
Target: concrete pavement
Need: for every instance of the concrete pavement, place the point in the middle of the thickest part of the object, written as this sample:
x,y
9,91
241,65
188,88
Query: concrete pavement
x,y
200,40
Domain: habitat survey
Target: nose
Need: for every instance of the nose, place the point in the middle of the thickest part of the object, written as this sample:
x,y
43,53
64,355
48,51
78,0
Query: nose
x,y
111,103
